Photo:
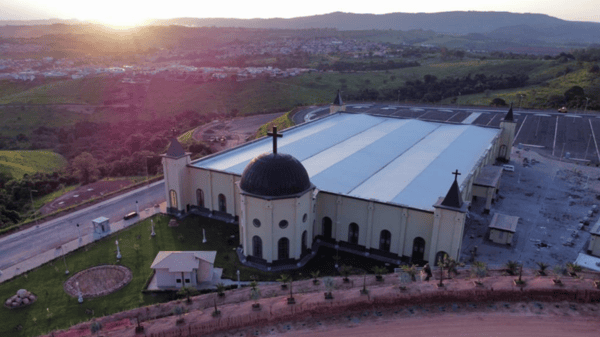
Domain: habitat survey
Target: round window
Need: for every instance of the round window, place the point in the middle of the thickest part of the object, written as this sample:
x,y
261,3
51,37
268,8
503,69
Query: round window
x,y
283,224
304,217
256,223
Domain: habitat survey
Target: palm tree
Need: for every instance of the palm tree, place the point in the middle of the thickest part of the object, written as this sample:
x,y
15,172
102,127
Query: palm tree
x,y
221,289
479,269
411,270
542,268
450,264
573,268
315,276
558,272
284,279
345,271
255,294
378,272
511,267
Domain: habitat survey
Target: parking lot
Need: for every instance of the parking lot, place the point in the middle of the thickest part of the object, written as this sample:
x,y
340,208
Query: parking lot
x,y
572,136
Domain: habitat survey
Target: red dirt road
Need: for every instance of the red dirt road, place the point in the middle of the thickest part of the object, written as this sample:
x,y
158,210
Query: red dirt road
x,y
465,325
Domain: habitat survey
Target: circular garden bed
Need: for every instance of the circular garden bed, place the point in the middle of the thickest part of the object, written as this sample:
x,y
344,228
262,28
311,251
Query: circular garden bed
x,y
98,281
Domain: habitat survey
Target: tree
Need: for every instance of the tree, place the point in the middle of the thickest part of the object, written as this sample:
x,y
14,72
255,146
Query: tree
x,y
498,102
542,268
479,269
254,294
284,279
85,167
574,93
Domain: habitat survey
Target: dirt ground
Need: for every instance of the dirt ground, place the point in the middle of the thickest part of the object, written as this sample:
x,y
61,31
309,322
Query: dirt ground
x,y
469,317
84,193
225,134
551,198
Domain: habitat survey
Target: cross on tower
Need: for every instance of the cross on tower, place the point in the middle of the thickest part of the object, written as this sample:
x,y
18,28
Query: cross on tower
x,y
456,174
275,136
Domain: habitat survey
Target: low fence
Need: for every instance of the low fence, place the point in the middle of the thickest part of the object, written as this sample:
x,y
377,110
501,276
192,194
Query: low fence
x,y
335,307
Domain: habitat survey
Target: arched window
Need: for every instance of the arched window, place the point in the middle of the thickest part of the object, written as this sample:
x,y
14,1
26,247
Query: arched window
x,y
304,242
385,240
200,198
222,203
502,152
439,257
418,252
173,195
353,233
257,246
283,249
327,224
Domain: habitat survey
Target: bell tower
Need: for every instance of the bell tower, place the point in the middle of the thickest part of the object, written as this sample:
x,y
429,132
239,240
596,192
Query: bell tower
x,y
507,136
174,168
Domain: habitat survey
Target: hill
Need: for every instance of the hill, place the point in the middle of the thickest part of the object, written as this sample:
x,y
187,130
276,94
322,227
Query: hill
x,y
18,163
547,28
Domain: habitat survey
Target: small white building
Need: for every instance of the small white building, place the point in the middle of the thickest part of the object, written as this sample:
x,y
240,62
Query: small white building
x,y
176,269
594,247
101,225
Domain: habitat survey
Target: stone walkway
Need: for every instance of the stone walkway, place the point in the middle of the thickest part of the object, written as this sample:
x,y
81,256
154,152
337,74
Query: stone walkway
x,y
70,246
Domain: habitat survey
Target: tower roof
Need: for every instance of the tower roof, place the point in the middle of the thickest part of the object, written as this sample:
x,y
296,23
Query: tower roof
x,y
275,175
338,99
453,197
175,149
509,115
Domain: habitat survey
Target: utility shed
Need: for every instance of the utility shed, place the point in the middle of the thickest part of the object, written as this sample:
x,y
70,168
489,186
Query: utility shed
x,y
101,225
502,228
594,248
487,184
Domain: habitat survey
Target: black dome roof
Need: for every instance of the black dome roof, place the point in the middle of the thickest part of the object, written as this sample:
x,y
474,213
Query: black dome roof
x,y
275,175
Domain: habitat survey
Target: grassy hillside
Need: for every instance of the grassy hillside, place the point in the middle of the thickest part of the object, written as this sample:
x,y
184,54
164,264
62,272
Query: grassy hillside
x,y
281,123
18,163
81,91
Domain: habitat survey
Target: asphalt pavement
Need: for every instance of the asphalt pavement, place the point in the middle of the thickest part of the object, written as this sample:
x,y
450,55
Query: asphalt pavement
x,y
30,242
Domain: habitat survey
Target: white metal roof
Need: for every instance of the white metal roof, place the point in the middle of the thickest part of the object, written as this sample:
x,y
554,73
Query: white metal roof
x,y
404,161
182,261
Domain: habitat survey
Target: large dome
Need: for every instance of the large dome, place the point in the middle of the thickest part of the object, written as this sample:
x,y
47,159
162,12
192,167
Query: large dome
x,y
275,175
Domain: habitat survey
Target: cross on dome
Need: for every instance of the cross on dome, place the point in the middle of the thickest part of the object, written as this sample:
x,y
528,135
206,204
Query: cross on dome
x,y
275,136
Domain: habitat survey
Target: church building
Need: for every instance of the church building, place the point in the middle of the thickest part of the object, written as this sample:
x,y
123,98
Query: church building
x,y
382,186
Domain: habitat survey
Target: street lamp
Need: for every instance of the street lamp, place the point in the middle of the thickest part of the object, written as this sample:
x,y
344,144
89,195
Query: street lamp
x,y
32,207
79,231
587,100
238,278
153,234
118,250
80,297
137,207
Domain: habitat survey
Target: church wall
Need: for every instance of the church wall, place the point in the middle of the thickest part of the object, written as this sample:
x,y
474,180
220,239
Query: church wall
x,y
284,209
175,174
223,183
419,224
326,207
200,179
262,210
450,226
352,210
386,217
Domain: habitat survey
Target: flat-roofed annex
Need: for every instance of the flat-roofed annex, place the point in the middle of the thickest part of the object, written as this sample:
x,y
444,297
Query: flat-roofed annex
x,y
391,160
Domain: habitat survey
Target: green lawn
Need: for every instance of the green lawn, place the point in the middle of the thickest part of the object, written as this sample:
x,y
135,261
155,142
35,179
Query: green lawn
x,y
39,202
138,252
81,91
18,163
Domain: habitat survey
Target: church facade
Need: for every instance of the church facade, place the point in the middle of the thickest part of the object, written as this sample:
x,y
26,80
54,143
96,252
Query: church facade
x,y
381,186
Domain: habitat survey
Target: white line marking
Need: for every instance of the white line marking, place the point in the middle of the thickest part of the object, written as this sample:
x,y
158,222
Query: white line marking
x,y
555,132
488,123
517,135
532,145
595,143
574,116
471,118
445,110
416,109
452,116
542,115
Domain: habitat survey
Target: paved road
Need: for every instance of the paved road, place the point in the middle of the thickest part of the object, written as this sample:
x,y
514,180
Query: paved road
x,y
22,245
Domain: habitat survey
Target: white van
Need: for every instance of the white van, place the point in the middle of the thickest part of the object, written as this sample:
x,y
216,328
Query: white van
x,y
509,168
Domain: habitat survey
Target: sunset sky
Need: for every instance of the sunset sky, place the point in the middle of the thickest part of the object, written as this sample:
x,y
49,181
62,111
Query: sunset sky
x,y
134,12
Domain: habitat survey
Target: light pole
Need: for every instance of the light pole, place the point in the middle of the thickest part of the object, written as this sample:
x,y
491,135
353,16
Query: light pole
x,y
587,100
520,99
153,234
32,207
118,250
238,278
80,297
137,207
79,231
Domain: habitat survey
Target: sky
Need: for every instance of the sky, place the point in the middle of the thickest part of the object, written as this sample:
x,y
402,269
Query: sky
x,y
135,12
